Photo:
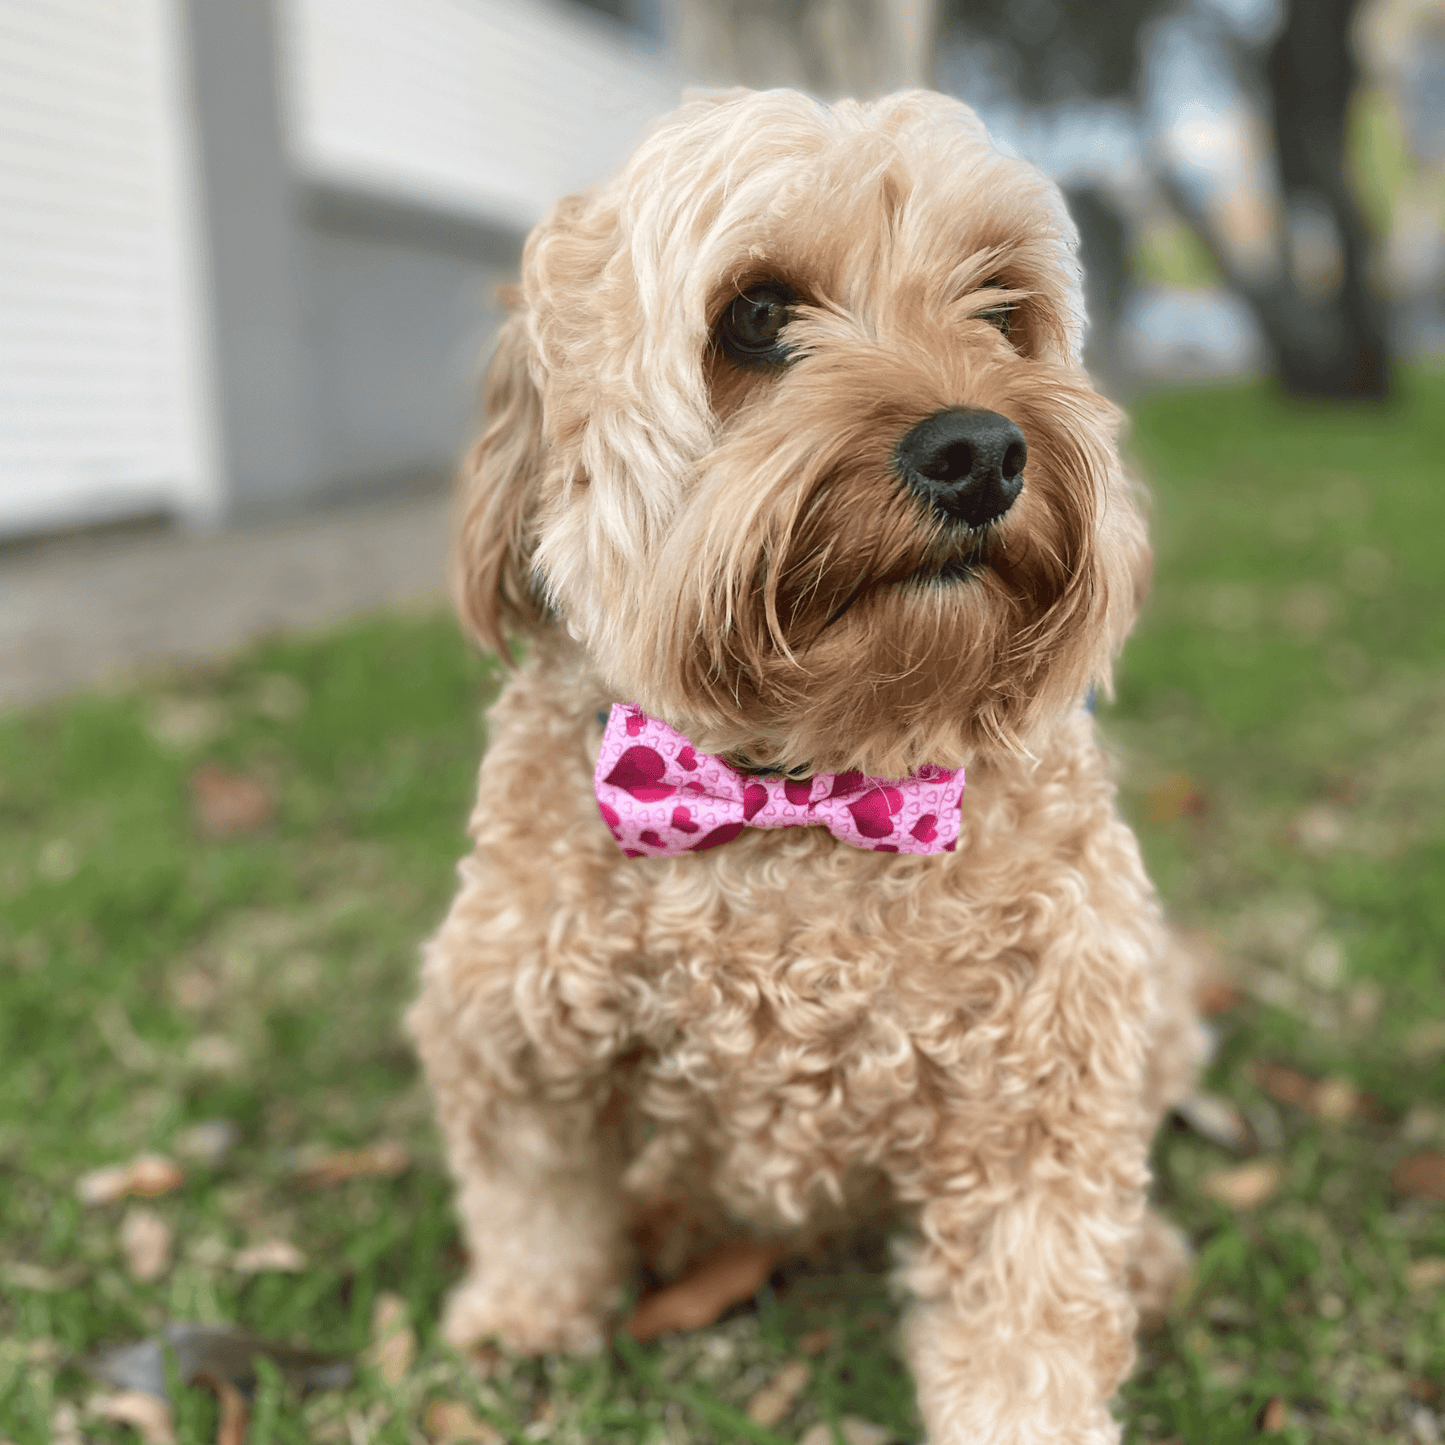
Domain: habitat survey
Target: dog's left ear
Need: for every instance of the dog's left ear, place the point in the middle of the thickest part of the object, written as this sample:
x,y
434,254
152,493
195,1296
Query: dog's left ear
x,y
493,570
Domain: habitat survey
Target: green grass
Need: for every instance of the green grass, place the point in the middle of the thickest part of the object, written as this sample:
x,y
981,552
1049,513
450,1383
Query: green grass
x,y
1288,665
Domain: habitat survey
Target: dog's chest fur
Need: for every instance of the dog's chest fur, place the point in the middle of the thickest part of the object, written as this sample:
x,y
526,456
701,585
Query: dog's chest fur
x,y
788,989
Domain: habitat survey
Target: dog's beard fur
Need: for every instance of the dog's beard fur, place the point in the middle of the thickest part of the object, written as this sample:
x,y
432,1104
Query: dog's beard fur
x,y
736,549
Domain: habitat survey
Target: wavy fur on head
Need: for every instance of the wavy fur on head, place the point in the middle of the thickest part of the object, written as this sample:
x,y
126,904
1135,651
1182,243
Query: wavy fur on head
x,y
783,1031
700,529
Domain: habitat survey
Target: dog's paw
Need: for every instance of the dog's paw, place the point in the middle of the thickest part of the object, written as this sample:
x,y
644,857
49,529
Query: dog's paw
x,y
528,1319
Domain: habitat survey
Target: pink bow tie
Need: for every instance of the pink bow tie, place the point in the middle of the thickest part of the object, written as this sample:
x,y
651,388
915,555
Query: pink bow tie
x,y
659,796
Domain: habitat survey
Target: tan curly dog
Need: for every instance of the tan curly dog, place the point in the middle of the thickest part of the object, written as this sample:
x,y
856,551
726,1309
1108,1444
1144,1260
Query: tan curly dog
x,y
790,446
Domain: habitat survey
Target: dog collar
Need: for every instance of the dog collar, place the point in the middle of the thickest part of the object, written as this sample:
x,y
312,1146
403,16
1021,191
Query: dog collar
x,y
661,797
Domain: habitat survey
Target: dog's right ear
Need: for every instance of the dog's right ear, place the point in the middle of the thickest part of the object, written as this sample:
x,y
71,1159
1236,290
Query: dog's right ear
x,y
493,569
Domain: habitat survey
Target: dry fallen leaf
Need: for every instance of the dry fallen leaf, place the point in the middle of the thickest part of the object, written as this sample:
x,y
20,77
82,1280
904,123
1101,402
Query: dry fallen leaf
x,y
853,1429
65,1425
1336,1099
1271,1419
235,1417
449,1421
146,1175
215,1054
1427,1273
208,1142
227,804
724,1278
1287,1085
1174,795
1216,1119
330,1169
393,1341
278,1256
1333,1100
1426,1039
1421,1175
1319,828
814,1342
279,697
1217,995
183,723
21,1274
145,1244
778,1396
1245,1186
150,1416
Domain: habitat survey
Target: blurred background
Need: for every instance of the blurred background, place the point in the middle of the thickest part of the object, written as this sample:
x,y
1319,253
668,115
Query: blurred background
x,y
249,249
249,253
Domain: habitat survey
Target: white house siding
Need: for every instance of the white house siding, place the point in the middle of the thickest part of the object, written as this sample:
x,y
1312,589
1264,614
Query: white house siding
x,y
490,107
102,382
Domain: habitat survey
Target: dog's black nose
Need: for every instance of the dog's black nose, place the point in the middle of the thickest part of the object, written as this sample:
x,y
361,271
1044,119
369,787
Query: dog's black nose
x,y
968,465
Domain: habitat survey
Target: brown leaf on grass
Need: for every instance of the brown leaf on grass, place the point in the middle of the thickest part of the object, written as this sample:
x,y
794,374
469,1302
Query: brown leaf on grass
x,y
1421,1175
149,1416
854,1430
383,1160
724,1278
1287,1085
278,1256
1246,1186
448,1421
1215,991
208,1142
393,1341
779,1395
145,1244
65,1425
1273,1417
147,1175
1427,1392
1319,828
1174,795
182,723
1425,1274
227,804
1217,996
814,1342
235,1417
1334,1099
1426,1039
21,1274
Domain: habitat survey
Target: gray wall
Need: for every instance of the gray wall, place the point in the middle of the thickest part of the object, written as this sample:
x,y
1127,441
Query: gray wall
x,y
401,318
349,331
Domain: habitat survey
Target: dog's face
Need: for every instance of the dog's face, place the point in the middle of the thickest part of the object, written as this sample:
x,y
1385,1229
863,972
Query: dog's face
x,y
789,431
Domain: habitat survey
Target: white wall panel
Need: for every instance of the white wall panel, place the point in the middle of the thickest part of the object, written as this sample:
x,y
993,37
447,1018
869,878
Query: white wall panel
x,y
102,377
491,107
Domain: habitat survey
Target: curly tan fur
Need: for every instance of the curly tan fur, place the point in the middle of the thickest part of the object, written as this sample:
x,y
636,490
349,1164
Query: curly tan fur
x,y
771,1036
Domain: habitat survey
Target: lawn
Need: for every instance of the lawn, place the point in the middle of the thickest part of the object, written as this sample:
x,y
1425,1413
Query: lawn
x,y
213,883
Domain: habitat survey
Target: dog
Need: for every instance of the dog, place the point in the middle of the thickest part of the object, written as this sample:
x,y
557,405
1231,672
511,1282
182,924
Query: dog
x,y
791,466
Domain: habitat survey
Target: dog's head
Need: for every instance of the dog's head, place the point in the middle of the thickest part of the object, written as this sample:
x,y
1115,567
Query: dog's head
x,y
788,429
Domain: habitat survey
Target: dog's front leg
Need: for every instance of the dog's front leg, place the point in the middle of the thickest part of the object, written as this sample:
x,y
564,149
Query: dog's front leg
x,y
539,1193
1023,1326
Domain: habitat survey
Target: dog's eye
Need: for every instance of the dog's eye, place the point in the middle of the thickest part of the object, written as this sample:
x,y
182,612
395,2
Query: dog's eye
x,y
750,328
1000,316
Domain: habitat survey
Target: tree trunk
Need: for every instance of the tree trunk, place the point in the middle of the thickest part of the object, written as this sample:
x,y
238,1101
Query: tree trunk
x,y
1328,326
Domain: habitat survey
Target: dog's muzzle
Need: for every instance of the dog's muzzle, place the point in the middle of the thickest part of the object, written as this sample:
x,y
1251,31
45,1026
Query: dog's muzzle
x,y
967,465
